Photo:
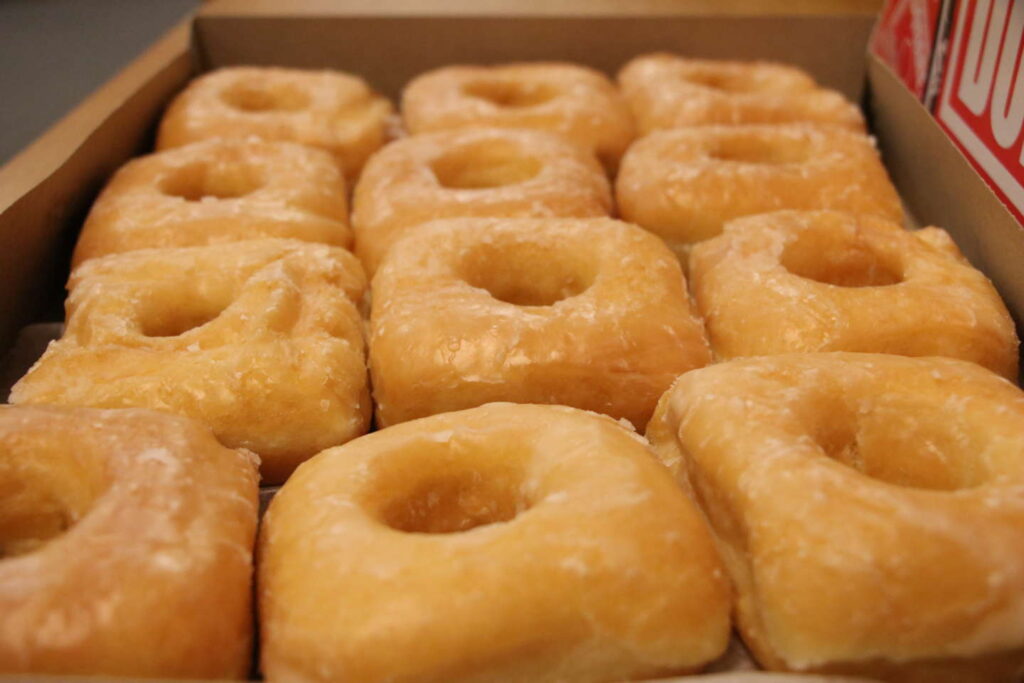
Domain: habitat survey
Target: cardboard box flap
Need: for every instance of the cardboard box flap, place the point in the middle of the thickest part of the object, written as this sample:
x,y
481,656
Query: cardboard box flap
x,y
46,190
559,8
956,198
603,34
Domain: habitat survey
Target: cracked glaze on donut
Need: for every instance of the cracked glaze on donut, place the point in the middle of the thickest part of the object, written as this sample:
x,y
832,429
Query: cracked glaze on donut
x,y
332,110
507,542
260,340
826,281
591,313
125,545
487,172
215,192
667,91
869,509
573,101
684,185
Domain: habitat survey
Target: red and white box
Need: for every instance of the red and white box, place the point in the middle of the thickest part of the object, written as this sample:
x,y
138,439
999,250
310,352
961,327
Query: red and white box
x,y
981,101
906,38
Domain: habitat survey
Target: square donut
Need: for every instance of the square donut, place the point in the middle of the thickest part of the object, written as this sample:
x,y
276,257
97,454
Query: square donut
x,y
803,281
668,91
568,99
126,547
589,313
506,543
218,191
332,110
261,341
869,509
685,184
473,172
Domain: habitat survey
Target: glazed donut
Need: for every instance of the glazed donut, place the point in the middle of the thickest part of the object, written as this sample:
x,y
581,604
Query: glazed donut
x,y
574,101
685,184
503,543
332,110
218,191
472,172
667,91
125,546
826,281
869,509
262,341
591,313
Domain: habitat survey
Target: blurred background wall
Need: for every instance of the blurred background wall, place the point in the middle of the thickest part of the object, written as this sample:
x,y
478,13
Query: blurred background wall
x,y
55,52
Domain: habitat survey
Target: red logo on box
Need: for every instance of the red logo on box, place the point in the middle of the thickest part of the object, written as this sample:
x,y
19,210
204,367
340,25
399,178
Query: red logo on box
x,y
904,38
982,100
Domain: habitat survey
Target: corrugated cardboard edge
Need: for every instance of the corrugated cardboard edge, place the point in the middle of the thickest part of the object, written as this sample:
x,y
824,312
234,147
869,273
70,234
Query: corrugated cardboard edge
x,y
346,35
582,8
53,181
745,677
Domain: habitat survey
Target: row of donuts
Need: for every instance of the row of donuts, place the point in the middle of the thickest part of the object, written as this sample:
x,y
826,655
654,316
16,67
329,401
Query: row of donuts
x,y
825,477
724,106
127,536
758,288
716,161
857,513
149,327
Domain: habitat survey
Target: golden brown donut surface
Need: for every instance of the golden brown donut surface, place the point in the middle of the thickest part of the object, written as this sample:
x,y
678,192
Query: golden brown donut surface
x,y
667,91
125,545
260,340
685,185
335,111
473,172
507,542
574,101
869,509
218,191
827,281
591,313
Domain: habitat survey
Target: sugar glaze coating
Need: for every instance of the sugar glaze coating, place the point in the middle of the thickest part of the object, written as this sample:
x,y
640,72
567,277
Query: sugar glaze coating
x,y
125,545
869,508
827,281
485,172
507,542
260,340
332,110
668,91
591,313
571,100
215,192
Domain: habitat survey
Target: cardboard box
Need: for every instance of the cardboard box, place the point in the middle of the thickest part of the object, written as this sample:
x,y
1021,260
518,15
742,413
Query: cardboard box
x,y
45,191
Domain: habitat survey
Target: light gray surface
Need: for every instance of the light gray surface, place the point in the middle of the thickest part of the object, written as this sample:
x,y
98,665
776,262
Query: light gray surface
x,y
53,53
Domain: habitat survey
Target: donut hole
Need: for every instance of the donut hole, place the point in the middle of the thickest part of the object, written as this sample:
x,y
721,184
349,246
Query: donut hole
x,y
758,150
486,164
173,321
525,274
511,94
265,97
454,502
839,259
721,80
897,447
196,183
36,507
